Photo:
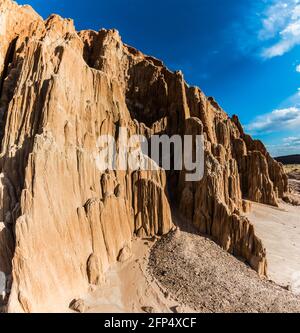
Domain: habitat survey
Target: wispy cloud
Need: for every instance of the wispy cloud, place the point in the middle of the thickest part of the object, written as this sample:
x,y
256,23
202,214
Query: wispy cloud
x,y
292,140
293,100
298,69
280,27
288,146
271,28
278,120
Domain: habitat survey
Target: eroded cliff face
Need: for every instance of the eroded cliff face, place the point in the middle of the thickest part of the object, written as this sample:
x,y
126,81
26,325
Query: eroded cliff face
x,y
63,222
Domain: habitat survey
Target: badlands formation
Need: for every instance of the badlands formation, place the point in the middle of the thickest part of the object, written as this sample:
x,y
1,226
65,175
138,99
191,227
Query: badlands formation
x,y
64,223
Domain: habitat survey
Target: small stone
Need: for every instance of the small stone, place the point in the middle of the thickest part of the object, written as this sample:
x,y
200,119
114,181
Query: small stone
x,y
174,228
78,305
164,273
176,309
125,254
148,309
167,294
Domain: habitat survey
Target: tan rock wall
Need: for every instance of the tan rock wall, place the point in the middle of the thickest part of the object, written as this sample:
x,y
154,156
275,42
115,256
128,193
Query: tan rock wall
x,y
62,221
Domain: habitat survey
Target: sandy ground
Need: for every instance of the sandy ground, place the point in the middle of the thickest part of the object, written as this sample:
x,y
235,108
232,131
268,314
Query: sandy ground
x,y
130,288
201,275
291,168
279,230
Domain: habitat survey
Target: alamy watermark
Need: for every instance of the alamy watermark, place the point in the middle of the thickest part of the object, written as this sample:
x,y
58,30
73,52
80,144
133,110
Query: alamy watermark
x,y
137,152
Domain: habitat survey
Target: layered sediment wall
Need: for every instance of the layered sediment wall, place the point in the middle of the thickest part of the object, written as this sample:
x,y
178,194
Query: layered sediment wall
x,y
64,222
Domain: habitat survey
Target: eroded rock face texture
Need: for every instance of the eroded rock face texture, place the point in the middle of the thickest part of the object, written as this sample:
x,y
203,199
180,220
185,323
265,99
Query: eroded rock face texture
x,y
62,221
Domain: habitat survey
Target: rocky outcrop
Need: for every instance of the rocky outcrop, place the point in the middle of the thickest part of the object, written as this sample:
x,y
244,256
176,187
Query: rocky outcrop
x,y
64,222
70,221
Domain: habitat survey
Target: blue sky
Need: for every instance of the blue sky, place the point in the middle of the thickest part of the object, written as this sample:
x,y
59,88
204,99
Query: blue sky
x,y
245,53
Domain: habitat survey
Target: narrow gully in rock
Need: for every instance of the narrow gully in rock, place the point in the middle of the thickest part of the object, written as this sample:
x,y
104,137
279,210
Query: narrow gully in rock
x,y
9,237
6,68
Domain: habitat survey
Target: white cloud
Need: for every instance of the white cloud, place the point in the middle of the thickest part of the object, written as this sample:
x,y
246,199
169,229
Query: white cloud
x,y
288,146
281,26
292,140
298,70
278,120
275,17
293,100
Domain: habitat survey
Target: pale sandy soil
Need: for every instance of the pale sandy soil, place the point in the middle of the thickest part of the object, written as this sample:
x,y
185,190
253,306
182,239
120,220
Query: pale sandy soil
x,y
291,167
130,288
279,230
